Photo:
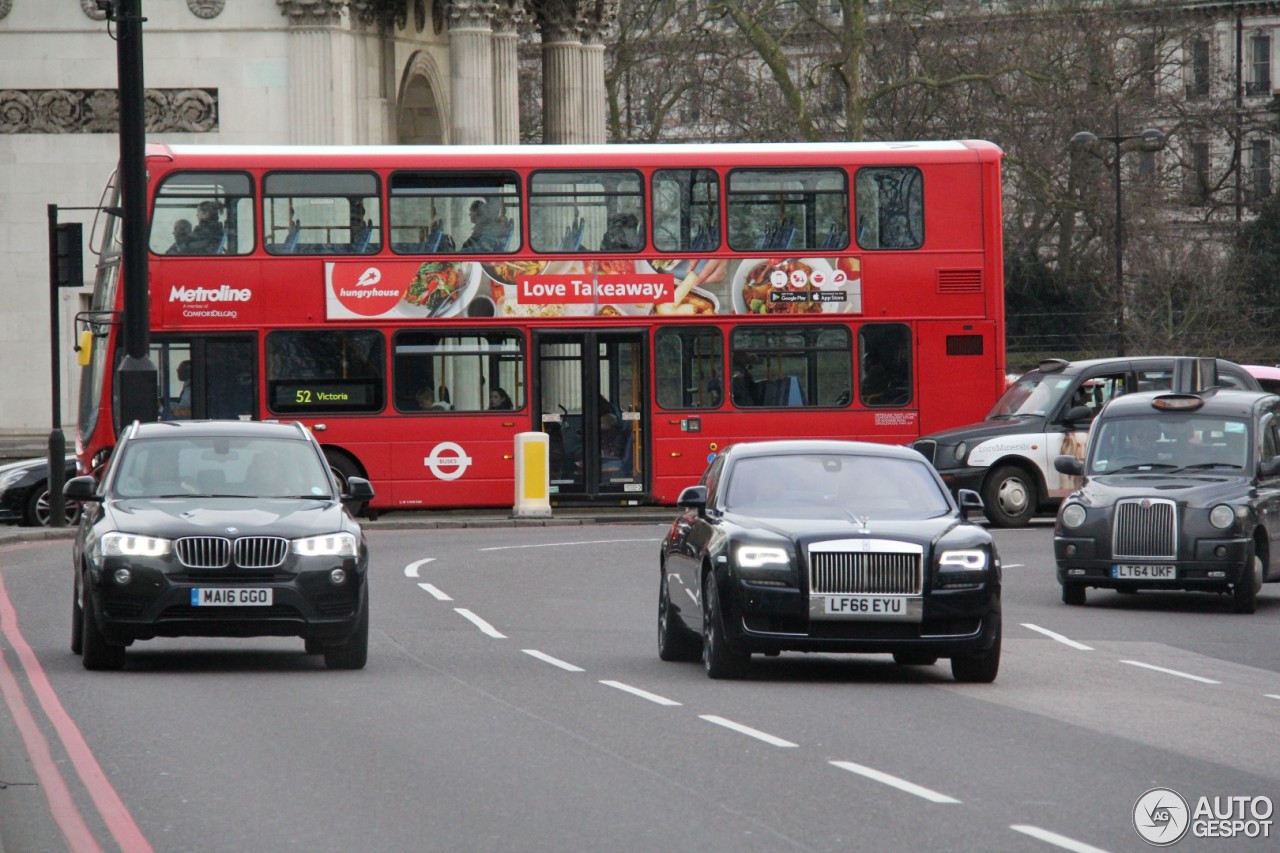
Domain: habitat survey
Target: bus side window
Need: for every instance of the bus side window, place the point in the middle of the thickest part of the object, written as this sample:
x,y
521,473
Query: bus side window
x,y
890,207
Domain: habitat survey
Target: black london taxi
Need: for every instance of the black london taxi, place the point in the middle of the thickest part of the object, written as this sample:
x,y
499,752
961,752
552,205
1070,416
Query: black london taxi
x,y
1180,491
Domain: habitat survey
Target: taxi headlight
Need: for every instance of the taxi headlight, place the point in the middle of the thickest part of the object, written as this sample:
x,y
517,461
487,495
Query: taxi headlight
x,y
328,545
1072,515
1222,516
117,544
759,556
961,451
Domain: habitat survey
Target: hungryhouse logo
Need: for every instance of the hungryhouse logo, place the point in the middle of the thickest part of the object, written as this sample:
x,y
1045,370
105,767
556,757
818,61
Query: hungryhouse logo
x,y
366,287
225,293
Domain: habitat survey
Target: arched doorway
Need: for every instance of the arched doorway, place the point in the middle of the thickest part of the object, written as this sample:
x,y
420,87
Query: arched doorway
x,y
421,116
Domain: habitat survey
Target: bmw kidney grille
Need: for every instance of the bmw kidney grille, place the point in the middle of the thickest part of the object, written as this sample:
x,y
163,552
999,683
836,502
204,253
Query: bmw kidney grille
x,y
218,552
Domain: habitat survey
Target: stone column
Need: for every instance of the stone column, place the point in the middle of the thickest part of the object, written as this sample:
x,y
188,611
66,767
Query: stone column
x,y
561,70
471,86
506,80
315,111
599,16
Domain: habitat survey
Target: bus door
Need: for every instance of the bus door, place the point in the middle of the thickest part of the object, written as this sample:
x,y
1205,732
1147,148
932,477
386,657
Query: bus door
x,y
205,376
593,396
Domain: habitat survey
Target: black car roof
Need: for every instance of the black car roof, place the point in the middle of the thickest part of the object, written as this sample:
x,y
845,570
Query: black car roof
x,y
1228,402
1073,367
195,429
787,447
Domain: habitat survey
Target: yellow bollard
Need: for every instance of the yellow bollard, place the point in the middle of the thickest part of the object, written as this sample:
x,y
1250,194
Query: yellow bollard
x,y
533,475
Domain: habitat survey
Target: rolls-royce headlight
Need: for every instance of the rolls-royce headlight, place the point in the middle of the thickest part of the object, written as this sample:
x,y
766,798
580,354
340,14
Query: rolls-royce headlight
x,y
961,451
1072,515
759,556
967,560
117,544
1221,516
329,545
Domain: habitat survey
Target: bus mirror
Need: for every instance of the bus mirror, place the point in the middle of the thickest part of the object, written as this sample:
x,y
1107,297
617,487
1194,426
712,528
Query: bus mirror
x,y
84,349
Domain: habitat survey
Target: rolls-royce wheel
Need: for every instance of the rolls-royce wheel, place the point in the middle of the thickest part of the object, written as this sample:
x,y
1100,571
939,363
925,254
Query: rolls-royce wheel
x,y
719,660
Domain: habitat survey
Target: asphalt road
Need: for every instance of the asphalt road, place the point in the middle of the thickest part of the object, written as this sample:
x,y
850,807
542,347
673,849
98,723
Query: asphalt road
x,y
514,701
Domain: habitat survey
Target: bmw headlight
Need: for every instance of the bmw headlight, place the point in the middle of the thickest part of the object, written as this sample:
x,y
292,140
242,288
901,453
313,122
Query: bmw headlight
x,y
1072,515
761,556
328,545
117,544
1222,516
961,451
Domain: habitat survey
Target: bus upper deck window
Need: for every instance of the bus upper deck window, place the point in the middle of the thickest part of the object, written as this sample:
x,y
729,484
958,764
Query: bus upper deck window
x,y
788,209
890,207
321,213
455,212
686,210
586,211
203,213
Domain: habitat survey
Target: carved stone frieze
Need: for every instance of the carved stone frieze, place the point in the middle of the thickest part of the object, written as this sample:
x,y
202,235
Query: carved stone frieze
x,y
206,8
471,13
90,8
6,6
509,15
312,11
598,17
98,110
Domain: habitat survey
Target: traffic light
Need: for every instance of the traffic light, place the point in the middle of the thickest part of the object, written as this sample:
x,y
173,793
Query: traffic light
x,y
69,239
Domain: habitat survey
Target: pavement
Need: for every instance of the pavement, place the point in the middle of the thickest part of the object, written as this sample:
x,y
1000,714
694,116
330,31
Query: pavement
x,y
436,519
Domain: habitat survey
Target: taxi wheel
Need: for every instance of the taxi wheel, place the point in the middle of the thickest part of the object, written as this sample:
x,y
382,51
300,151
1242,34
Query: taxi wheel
x,y
718,659
674,641
1245,593
1073,594
1009,496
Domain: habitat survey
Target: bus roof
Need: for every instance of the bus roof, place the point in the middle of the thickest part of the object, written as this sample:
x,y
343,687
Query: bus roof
x,y
496,156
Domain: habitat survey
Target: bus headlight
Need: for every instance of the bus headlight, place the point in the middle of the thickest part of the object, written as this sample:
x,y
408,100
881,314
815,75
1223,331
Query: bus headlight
x,y
1072,515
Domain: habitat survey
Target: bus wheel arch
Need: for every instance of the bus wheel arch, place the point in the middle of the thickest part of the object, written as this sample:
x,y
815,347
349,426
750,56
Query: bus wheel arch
x,y
1011,494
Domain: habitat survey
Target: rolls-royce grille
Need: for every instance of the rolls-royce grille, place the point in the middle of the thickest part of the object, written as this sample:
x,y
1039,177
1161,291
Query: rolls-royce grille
x,y
216,552
927,448
871,573
1145,527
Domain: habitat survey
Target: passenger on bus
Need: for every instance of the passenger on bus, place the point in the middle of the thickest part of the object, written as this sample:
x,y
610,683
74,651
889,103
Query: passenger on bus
x,y
742,385
613,441
206,239
489,230
427,401
181,238
622,235
875,377
180,407
500,399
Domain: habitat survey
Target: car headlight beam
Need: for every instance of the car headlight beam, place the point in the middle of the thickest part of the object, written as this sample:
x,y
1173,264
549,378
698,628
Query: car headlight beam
x,y
117,544
759,556
328,545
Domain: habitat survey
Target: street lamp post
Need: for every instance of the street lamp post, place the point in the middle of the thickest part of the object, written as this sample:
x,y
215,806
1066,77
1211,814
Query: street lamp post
x,y
1148,140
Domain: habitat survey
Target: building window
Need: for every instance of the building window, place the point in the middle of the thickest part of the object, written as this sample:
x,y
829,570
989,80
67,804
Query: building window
x,y
1196,186
1260,169
1198,72
1148,69
1259,82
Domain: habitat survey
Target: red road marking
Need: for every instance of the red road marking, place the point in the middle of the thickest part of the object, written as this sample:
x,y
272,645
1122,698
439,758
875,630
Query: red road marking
x,y
108,802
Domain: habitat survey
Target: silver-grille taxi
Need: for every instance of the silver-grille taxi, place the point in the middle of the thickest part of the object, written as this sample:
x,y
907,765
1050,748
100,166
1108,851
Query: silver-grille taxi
x,y
1178,492
828,546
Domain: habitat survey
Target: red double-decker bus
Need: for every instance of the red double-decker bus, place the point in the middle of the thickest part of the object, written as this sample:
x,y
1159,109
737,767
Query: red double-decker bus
x,y
418,307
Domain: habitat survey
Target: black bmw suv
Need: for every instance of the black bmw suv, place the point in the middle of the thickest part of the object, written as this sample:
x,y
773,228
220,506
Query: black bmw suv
x,y
219,529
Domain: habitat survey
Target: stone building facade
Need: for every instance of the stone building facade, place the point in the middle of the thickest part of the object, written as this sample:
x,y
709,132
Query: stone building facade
x,y
287,72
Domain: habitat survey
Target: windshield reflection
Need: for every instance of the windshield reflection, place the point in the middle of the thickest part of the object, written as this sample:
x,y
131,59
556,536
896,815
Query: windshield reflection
x,y
1032,395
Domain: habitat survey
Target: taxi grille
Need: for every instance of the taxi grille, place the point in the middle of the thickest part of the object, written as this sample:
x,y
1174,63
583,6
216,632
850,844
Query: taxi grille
x,y
1145,527
865,573
217,552
928,448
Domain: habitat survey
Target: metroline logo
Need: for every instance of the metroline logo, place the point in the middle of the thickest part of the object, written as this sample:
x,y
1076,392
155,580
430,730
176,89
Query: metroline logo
x,y
225,293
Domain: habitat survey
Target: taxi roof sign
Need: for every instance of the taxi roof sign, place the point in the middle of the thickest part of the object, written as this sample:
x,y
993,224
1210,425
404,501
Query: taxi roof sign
x,y
1177,402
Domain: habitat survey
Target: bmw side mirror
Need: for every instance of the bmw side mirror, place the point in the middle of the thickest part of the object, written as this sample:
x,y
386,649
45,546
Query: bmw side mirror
x,y
358,489
1078,415
81,489
1069,465
969,500
694,497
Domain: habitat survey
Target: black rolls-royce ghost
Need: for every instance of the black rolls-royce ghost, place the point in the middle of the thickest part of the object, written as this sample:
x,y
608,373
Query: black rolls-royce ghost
x,y
828,546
